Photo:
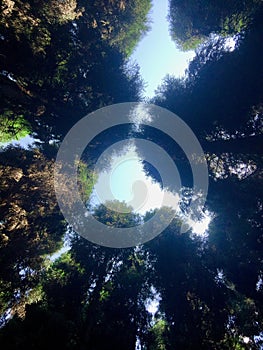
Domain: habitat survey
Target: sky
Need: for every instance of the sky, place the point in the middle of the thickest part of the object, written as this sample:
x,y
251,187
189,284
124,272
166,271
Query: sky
x,y
117,182
157,54
24,142
126,181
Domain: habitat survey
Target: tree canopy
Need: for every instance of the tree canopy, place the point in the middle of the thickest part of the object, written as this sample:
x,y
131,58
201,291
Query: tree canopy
x,y
62,60
65,52
192,21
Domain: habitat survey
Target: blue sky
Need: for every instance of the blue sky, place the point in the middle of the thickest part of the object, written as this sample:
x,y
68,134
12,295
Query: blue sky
x,y
126,181
157,54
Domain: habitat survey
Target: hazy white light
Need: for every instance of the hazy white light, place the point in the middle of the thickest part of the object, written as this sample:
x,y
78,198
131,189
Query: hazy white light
x,y
125,172
230,44
200,227
152,304
246,340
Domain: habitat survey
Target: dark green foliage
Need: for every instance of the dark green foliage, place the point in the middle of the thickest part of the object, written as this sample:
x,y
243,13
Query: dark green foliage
x,y
192,21
121,23
207,91
221,99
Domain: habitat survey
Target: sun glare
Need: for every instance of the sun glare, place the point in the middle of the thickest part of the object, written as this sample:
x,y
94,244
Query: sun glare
x,y
200,227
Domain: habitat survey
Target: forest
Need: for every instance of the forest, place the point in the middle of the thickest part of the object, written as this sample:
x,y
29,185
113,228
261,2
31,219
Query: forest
x,y
62,60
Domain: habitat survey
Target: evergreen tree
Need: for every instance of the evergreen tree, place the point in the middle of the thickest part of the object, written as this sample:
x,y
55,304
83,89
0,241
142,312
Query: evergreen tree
x,y
191,22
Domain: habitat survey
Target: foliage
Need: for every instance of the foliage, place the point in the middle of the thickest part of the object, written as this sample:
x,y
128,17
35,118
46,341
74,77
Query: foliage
x,y
29,228
87,180
31,21
64,59
157,335
191,22
119,214
137,25
13,127
208,88
209,288
217,104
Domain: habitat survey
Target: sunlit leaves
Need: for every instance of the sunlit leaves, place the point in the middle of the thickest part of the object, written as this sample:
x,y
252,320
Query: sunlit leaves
x,y
31,224
13,127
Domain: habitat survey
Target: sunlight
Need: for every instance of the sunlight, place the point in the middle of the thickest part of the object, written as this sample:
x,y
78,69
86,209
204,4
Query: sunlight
x,y
230,43
200,227
152,304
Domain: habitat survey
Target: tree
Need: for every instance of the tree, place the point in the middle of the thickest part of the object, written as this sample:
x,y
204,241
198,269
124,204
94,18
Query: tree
x,y
64,59
121,23
209,288
82,292
13,127
221,96
192,22
30,229
224,111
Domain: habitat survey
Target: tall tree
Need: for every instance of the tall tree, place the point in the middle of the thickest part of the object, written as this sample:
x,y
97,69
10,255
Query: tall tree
x,y
31,223
94,294
191,22
65,59
221,97
209,288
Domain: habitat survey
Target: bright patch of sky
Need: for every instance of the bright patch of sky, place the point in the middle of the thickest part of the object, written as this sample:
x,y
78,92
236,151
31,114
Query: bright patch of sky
x,y
24,142
200,227
152,304
156,54
125,180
